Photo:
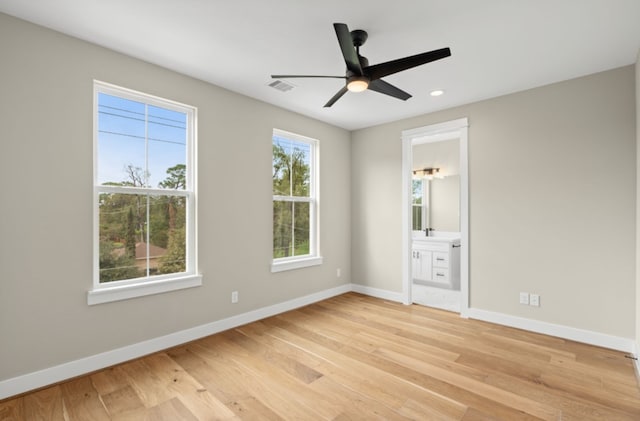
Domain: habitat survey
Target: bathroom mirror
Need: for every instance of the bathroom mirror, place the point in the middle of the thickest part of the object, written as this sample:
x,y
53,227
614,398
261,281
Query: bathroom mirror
x,y
436,186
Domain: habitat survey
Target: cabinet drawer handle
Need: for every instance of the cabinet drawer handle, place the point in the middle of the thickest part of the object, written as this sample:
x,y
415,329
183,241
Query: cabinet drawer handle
x,y
456,245
440,259
439,274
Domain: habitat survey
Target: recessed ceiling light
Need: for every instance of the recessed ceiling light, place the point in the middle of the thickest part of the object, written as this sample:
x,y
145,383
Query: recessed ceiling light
x,y
437,92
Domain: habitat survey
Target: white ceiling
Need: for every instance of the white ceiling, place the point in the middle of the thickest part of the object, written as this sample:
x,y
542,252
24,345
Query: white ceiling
x,y
498,46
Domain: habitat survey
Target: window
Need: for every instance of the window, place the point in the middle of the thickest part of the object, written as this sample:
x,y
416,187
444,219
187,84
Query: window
x,y
144,195
295,201
420,204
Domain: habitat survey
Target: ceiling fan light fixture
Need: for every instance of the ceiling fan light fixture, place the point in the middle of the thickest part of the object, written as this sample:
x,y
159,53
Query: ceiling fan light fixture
x,y
358,84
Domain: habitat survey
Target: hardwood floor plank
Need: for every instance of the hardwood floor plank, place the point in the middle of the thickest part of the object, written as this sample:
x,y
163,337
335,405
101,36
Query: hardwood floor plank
x,y
45,404
474,415
289,365
81,401
430,411
477,386
572,407
354,404
170,410
375,338
109,380
353,357
260,332
223,379
385,381
12,410
121,401
273,384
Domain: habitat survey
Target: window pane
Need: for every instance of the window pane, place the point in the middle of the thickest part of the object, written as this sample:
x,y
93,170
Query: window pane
x,y
121,140
301,228
291,170
167,239
290,229
281,163
167,148
122,229
300,169
282,229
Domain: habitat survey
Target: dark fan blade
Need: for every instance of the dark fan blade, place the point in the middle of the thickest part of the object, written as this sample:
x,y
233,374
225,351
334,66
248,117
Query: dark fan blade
x,y
294,76
336,97
348,50
383,87
390,67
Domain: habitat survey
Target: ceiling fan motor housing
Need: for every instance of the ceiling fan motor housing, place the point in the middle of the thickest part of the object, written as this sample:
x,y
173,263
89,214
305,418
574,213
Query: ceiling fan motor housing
x,y
359,37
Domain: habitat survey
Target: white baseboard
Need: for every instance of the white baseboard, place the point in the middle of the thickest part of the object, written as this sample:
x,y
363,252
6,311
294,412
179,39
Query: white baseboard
x,y
378,293
560,331
51,375
56,374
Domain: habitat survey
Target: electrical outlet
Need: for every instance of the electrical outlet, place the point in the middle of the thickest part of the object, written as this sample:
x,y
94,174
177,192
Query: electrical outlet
x,y
524,298
534,300
338,273
234,297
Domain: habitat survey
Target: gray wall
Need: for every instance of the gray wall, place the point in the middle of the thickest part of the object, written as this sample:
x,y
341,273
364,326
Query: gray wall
x,y
46,217
552,182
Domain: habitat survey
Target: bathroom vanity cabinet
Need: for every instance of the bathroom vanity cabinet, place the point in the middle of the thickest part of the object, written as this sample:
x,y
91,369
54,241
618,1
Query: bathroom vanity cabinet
x,y
436,261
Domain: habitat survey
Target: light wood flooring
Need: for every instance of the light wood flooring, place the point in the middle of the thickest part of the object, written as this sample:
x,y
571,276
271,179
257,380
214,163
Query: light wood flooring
x,y
353,357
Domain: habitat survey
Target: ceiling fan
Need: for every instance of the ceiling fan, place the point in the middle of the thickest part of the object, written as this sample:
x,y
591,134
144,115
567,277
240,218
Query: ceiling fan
x,y
360,76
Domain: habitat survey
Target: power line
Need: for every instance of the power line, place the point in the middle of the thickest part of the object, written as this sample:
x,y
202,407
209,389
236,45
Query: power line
x,y
175,142
142,120
135,112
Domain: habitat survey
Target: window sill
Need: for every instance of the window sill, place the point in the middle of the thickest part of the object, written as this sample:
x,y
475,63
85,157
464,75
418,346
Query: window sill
x,y
290,264
106,294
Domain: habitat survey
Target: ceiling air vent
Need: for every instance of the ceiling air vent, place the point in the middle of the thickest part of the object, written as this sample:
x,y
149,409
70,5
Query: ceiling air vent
x,y
281,86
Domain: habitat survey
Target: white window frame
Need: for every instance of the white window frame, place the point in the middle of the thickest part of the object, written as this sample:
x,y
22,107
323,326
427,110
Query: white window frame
x,y
313,258
155,284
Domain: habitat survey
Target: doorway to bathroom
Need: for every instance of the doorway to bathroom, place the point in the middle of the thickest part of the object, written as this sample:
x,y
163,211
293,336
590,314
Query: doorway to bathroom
x,y
435,216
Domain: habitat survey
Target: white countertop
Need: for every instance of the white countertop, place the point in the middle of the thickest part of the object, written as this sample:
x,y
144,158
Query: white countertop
x,y
439,237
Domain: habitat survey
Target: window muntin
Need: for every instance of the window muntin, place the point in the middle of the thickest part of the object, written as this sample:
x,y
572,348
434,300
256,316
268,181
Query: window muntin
x,y
144,187
295,202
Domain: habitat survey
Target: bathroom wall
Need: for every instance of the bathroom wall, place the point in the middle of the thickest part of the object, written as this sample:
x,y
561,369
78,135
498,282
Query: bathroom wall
x,y
443,154
445,203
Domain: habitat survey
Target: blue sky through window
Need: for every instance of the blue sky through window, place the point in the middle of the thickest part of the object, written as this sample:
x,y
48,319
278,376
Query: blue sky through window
x,y
145,136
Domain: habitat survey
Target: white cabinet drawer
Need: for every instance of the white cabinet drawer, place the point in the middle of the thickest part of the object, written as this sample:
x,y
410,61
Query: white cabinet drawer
x,y
440,275
440,259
